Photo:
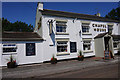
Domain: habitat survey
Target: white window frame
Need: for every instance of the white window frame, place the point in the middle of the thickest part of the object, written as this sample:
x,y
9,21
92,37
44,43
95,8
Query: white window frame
x,y
110,28
62,45
86,25
88,43
115,43
61,24
9,45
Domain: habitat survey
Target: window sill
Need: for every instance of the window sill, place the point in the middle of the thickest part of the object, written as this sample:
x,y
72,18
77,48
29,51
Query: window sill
x,y
115,48
87,51
60,33
86,34
63,53
9,53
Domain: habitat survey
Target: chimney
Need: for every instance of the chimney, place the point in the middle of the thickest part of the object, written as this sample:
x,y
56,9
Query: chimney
x,y
98,14
40,6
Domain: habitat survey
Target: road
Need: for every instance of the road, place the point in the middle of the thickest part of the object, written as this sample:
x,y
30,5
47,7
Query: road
x,y
105,71
89,68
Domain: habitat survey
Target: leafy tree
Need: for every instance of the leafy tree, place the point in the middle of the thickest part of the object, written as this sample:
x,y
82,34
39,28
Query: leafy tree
x,y
17,26
114,14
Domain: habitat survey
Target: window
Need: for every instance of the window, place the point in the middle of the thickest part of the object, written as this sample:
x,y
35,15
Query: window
x,y
61,26
115,45
85,27
110,28
30,49
62,46
73,47
95,29
87,45
9,48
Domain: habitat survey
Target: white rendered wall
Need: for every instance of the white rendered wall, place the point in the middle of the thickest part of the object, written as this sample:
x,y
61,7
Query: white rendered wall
x,y
119,29
50,50
37,19
6,56
21,57
0,54
73,29
116,29
95,33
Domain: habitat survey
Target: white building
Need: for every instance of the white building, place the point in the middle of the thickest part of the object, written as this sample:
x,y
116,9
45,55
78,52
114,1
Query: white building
x,y
66,33
25,47
62,34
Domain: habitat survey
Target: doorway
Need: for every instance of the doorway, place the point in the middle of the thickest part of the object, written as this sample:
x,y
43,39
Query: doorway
x,y
106,43
108,46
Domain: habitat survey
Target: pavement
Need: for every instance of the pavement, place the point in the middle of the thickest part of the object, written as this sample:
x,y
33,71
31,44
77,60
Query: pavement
x,y
43,69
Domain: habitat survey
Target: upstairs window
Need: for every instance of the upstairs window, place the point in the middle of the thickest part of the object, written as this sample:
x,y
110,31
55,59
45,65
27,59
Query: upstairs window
x,y
85,27
9,48
110,28
115,44
87,45
61,26
62,46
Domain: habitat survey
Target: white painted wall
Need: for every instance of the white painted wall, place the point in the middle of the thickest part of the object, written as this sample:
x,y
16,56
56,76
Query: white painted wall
x,y
119,29
0,54
95,33
21,57
116,29
38,15
73,30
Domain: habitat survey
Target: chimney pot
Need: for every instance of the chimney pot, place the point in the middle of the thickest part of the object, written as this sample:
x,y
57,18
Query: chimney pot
x,y
40,5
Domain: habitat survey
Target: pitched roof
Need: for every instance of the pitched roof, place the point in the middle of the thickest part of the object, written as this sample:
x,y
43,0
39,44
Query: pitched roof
x,y
76,15
21,36
100,35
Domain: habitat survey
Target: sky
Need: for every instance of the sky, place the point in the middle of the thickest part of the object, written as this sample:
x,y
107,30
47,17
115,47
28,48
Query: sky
x,y
26,11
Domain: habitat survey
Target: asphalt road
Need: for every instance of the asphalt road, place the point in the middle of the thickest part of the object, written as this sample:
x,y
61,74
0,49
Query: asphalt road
x,y
105,71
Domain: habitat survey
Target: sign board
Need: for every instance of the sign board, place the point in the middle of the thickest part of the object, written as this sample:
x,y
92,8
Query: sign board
x,y
106,55
30,49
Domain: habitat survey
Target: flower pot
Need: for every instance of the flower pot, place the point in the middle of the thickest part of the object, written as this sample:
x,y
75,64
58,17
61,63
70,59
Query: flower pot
x,y
11,65
80,58
54,61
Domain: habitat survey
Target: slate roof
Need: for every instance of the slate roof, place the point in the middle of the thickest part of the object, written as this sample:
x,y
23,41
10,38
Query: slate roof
x,y
76,15
100,35
21,36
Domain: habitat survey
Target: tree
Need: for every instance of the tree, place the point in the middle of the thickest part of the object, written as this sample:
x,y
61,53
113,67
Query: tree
x,y
114,14
17,26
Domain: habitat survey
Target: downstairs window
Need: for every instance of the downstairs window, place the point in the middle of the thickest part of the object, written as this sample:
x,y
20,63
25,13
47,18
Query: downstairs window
x,y
87,45
9,48
62,46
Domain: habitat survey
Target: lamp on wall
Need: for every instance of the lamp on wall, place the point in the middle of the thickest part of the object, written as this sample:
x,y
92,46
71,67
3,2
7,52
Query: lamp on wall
x,y
74,20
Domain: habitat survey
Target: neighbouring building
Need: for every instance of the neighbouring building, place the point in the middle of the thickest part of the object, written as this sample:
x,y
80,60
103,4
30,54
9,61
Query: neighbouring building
x,y
25,47
62,34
